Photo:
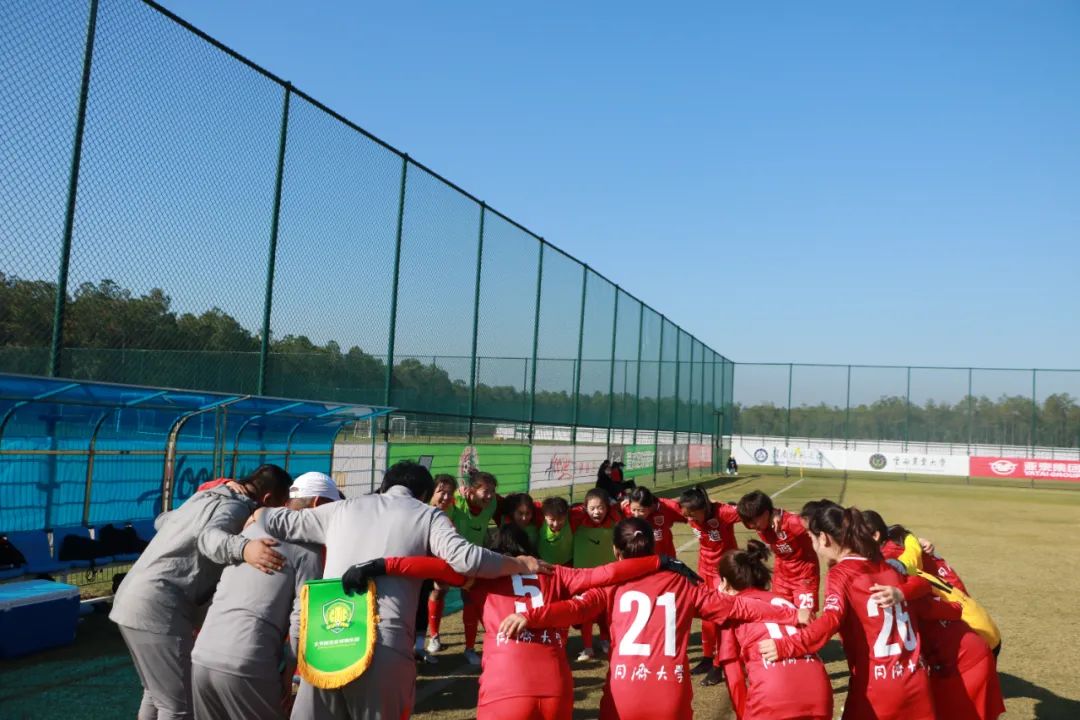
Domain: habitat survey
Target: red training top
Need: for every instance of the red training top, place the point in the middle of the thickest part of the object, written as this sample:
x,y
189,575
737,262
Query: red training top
x,y
715,537
666,514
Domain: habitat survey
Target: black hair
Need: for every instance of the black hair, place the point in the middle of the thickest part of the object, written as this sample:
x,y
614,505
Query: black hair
x,y
694,499
633,538
746,568
413,476
877,524
642,496
269,479
810,509
482,478
897,533
515,500
445,479
753,504
847,528
556,506
511,540
598,494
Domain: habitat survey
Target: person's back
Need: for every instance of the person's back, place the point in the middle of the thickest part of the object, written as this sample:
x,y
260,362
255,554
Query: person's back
x,y
178,570
793,688
253,613
888,679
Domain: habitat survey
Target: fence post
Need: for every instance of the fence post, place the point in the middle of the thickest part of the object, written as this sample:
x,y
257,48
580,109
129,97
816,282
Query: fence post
x,y
787,430
1034,412
907,412
60,305
611,386
637,391
659,397
971,413
678,364
476,322
394,288
536,342
580,346
264,346
847,421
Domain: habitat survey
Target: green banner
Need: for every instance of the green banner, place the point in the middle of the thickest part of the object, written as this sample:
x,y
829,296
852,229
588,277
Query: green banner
x,y
638,460
508,463
337,633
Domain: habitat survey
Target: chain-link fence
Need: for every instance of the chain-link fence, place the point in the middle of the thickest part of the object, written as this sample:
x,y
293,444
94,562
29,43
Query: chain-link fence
x,y
171,214
972,422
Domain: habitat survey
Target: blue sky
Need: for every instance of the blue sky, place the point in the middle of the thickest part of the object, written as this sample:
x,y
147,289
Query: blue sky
x,y
841,182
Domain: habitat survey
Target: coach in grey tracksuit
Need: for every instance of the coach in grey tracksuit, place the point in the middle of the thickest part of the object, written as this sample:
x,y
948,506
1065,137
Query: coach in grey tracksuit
x,y
157,604
240,655
393,523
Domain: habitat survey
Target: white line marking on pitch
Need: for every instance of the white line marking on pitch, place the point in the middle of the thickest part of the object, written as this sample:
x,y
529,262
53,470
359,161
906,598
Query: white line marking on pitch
x,y
691,543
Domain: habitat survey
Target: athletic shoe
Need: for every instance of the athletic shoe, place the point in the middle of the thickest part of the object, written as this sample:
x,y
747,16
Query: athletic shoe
x,y
472,657
702,667
434,644
586,655
715,677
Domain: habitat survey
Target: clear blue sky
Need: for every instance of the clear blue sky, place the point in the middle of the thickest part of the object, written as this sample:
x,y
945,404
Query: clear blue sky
x,y
842,182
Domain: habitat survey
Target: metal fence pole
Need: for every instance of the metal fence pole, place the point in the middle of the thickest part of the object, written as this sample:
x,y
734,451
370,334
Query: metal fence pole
x,y
271,260
907,412
847,420
971,413
690,411
394,287
60,305
611,385
580,346
659,397
675,434
1034,411
787,429
536,342
476,322
637,392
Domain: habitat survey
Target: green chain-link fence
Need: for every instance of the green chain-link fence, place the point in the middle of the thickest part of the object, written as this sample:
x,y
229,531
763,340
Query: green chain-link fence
x,y
172,214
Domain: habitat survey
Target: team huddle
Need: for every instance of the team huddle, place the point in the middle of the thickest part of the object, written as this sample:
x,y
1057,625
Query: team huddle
x,y
917,645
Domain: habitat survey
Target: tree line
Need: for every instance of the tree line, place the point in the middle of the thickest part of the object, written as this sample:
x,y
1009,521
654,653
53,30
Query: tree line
x,y
112,334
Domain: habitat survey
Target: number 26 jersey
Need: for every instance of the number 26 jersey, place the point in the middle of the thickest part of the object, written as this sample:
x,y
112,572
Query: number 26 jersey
x,y
888,678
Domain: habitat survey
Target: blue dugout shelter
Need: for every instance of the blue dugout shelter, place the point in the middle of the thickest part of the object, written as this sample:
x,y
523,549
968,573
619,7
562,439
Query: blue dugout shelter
x,y
76,453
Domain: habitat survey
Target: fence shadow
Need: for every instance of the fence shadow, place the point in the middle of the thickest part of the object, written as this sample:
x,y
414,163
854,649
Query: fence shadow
x,y
1048,705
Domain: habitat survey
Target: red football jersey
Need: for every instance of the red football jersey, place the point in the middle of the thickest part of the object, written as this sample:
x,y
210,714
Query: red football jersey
x,y
792,548
933,564
666,515
888,678
715,537
648,675
534,664
792,688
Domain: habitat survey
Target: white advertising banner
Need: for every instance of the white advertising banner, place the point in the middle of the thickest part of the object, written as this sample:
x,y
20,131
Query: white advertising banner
x,y
561,465
748,451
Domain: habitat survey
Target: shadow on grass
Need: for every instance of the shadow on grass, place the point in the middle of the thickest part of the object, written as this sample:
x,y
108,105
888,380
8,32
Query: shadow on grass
x,y
1048,706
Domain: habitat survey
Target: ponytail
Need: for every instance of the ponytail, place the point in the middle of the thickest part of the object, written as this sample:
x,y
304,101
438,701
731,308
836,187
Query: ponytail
x,y
633,538
746,568
847,528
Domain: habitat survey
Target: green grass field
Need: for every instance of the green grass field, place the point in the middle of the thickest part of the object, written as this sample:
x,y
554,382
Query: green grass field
x,y
1005,542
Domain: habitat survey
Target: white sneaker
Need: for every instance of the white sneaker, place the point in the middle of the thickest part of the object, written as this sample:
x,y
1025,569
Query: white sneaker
x,y
586,655
434,644
472,657
605,647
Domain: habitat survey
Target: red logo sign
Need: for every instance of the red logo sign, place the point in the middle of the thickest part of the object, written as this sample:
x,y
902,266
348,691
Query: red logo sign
x,y
1025,468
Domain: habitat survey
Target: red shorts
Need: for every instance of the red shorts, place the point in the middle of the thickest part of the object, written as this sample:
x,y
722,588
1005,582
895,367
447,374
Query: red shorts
x,y
974,694
528,708
802,592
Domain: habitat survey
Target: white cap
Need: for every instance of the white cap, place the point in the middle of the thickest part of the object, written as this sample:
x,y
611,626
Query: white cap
x,y
314,484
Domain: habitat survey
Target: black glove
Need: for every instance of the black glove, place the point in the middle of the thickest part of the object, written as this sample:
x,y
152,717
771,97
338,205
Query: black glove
x,y
356,578
679,568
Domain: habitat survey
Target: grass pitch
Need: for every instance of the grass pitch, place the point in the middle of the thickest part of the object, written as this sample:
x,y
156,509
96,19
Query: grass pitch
x,y
1007,543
